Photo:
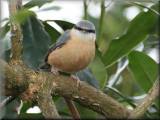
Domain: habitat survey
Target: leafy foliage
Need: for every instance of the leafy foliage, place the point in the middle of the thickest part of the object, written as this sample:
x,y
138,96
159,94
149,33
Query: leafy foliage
x,y
36,42
54,34
22,15
144,68
120,47
114,55
64,24
38,3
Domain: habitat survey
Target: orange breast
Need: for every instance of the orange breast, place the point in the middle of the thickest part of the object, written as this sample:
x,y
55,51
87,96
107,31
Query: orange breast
x,y
75,55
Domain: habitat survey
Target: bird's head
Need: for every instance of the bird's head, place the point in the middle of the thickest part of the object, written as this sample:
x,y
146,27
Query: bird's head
x,y
85,30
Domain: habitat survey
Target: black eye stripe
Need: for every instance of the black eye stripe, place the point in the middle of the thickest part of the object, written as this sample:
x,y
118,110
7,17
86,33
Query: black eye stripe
x,y
86,30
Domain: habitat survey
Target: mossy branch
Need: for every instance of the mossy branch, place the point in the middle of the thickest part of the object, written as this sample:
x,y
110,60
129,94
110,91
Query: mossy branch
x,y
148,100
18,85
65,86
42,84
101,20
85,5
16,34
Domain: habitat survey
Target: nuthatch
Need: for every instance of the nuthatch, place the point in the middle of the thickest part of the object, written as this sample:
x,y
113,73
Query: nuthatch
x,y
74,49
72,52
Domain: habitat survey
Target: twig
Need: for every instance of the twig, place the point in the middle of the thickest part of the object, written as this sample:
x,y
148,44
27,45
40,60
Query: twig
x,y
72,108
148,100
0,12
16,36
47,106
138,4
85,9
101,19
144,1
109,4
45,100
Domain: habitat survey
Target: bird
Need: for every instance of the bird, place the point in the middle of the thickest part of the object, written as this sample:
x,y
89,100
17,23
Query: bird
x,y
73,51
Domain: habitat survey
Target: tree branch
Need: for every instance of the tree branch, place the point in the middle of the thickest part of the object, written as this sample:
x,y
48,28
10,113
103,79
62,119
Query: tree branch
x,y
72,108
90,97
47,106
85,5
44,98
64,86
45,101
16,36
101,19
148,100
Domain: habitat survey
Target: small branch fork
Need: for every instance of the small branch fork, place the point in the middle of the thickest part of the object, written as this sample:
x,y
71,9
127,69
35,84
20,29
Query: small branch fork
x,y
47,106
45,100
148,100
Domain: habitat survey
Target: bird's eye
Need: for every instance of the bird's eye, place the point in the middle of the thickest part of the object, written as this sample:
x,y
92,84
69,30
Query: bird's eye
x,y
84,30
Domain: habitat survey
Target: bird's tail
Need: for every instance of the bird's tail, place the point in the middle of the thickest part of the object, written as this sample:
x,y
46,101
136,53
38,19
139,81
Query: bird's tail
x,y
45,67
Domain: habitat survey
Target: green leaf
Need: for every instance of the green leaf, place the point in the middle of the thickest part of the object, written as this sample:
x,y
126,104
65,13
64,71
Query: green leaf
x,y
64,24
99,71
22,15
4,30
151,9
10,109
50,8
38,3
6,55
144,69
138,29
119,95
31,116
25,107
36,42
54,34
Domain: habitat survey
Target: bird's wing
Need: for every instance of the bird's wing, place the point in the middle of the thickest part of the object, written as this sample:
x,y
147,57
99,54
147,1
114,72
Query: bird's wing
x,y
60,42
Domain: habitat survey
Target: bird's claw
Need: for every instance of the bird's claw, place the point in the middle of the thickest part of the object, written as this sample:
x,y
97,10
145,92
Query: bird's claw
x,y
74,77
54,71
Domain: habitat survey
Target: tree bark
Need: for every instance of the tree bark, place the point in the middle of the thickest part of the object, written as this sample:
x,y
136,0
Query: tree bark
x,y
17,79
148,100
16,34
65,86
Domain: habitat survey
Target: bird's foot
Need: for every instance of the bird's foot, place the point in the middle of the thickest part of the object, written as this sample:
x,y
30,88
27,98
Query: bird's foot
x,y
54,71
74,77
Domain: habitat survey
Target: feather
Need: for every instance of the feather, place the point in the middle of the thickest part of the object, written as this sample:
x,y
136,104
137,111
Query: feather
x,y
60,42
